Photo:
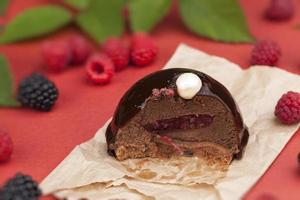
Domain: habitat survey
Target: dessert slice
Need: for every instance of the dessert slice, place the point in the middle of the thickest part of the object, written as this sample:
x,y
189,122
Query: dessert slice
x,y
177,112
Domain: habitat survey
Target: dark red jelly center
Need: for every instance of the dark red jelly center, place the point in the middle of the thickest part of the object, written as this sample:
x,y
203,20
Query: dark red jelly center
x,y
182,122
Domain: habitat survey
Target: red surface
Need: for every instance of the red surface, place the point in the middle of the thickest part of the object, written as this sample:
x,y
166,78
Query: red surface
x,y
42,140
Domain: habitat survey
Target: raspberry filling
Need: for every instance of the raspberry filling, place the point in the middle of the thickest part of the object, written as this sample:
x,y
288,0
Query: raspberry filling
x,y
169,141
183,122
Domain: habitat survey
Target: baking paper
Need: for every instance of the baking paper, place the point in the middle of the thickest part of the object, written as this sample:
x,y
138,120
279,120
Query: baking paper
x,y
88,172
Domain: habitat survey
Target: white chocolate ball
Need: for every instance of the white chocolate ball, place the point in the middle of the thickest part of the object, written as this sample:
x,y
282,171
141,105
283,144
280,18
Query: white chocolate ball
x,y
188,85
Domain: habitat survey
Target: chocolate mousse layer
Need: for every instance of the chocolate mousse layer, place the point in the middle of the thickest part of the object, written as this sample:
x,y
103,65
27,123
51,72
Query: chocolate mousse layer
x,y
153,120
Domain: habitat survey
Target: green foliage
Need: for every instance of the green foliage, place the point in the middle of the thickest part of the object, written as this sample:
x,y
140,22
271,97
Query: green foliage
x,y
3,6
216,19
79,4
221,20
102,19
35,22
6,85
145,14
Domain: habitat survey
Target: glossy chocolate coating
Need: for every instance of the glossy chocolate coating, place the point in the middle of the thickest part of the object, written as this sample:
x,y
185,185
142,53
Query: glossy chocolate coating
x,y
134,98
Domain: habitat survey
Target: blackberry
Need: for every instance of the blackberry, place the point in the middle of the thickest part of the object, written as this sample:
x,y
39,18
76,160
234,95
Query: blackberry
x,y
21,187
37,92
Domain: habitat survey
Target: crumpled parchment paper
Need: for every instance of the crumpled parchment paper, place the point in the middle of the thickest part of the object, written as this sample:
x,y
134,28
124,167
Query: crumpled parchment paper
x,y
88,172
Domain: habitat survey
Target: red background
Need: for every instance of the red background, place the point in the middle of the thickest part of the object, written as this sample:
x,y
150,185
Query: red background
x,y
42,140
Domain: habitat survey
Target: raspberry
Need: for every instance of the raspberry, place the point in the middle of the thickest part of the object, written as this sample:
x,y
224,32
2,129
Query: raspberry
x,y
100,69
168,92
118,51
143,49
265,52
280,10
266,196
57,55
288,108
6,146
80,50
20,187
37,92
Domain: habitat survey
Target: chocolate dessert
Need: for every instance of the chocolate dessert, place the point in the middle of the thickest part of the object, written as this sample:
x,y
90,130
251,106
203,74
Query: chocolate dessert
x,y
177,112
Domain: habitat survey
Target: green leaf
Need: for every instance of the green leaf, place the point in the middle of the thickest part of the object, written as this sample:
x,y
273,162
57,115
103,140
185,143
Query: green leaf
x,y
6,85
102,19
145,14
221,20
35,22
79,4
3,6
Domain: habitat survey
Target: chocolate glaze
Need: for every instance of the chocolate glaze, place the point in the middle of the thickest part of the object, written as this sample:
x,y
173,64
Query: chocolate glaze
x,y
134,98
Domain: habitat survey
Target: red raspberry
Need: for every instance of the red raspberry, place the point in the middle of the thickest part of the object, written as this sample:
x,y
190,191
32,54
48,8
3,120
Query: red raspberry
x,y
80,50
56,55
265,52
266,197
143,49
280,10
6,146
288,108
168,92
100,69
118,51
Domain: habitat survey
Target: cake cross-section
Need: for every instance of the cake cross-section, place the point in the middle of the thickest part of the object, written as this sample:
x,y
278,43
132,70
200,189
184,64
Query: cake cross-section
x,y
177,112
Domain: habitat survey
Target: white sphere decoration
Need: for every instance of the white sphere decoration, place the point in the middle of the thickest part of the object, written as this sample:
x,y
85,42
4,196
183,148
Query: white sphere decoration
x,y
188,85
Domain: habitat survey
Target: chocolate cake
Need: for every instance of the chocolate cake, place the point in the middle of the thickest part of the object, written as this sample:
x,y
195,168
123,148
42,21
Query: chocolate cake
x,y
177,112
